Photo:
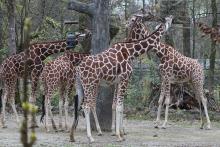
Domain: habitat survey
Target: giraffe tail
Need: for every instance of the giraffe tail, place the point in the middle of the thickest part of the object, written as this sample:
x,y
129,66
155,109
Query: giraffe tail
x,y
43,109
1,91
76,99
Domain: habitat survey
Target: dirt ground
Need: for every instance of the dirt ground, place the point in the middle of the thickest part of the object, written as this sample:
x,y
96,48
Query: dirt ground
x,y
139,133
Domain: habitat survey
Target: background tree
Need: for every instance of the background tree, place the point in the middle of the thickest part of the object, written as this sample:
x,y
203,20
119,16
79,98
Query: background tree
x,y
1,25
11,25
212,55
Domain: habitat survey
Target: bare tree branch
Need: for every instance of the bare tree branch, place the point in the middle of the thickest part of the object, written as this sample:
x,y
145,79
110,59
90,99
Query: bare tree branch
x,y
81,7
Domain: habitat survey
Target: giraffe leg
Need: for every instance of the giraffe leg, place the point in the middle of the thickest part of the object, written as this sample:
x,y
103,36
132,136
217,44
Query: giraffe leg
x,y
114,111
93,107
4,99
200,107
33,89
96,121
167,102
66,103
61,105
160,102
204,103
51,116
201,114
60,113
122,132
46,114
119,109
113,118
200,97
34,82
88,127
12,102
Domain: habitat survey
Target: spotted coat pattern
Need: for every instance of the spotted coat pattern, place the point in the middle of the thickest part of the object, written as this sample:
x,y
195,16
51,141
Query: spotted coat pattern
x,y
112,65
12,69
60,74
213,32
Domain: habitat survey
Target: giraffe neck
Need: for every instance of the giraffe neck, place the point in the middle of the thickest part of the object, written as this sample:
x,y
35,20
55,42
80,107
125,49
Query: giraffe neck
x,y
204,28
213,32
43,50
144,45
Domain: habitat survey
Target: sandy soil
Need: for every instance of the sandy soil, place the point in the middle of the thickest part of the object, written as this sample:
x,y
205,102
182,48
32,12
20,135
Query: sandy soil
x,y
140,133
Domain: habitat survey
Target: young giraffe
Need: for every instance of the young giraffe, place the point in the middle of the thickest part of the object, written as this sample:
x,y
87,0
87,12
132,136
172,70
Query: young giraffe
x,y
171,74
213,32
12,68
177,68
112,65
137,30
60,73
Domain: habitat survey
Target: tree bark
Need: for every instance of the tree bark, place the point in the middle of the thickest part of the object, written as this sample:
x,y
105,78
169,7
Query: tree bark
x,y
1,28
11,26
194,29
186,31
213,51
98,10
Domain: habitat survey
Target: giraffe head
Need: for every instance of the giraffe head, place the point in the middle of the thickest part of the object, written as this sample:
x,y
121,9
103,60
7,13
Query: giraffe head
x,y
137,28
168,22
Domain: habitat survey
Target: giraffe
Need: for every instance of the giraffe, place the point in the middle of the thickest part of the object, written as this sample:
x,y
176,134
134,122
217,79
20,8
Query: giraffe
x,y
137,30
173,70
112,65
213,32
177,68
12,69
60,73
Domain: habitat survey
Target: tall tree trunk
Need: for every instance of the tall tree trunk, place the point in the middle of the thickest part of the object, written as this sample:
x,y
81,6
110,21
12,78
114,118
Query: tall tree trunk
x,y
194,29
100,42
11,26
213,50
186,31
98,10
1,28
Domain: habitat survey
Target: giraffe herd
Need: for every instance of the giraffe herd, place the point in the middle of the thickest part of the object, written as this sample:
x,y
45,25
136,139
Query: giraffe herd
x,y
113,65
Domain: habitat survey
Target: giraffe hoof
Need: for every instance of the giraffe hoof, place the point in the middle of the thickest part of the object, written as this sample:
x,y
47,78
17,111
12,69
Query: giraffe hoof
x,y
61,130
4,126
67,131
100,134
156,124
125,133
56,131
34,126
208,127
91,140
163,127
72,140
121,139
113,134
